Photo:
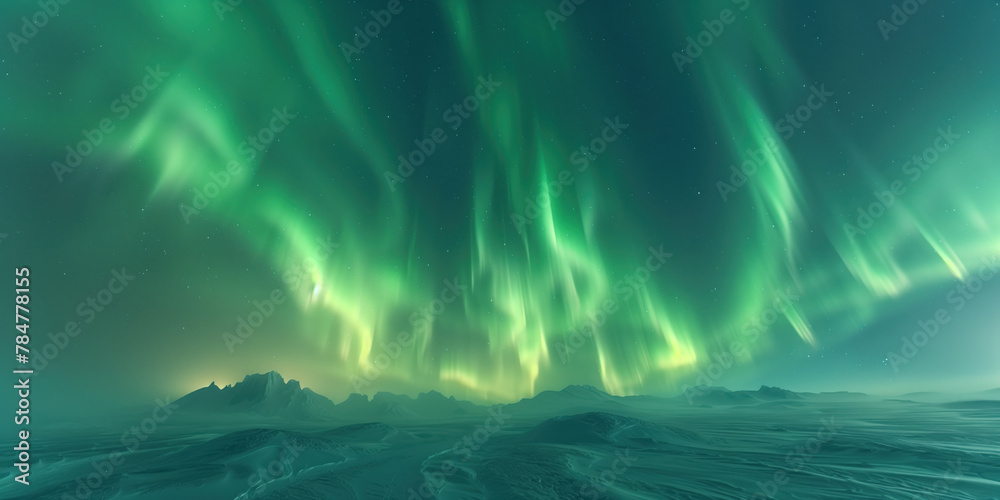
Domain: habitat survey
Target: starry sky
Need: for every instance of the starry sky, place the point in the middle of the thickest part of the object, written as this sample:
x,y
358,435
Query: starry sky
x,y
492,199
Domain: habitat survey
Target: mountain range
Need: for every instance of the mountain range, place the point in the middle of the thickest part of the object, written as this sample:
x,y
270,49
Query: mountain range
x,y
269,395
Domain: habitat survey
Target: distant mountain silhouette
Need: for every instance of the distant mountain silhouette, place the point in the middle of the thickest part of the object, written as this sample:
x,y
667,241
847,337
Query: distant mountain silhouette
x,y
264,394
720,396
269,395
572,399
771,393
431,404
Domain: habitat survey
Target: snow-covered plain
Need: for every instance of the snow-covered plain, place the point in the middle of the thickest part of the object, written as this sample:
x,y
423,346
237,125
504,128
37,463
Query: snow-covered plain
x,y
267,439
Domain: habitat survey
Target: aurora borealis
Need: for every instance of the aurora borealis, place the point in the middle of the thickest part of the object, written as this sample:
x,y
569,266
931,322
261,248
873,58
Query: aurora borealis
x,y
490,200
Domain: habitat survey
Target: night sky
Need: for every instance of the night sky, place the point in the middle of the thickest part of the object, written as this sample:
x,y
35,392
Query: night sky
x,y
567,209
